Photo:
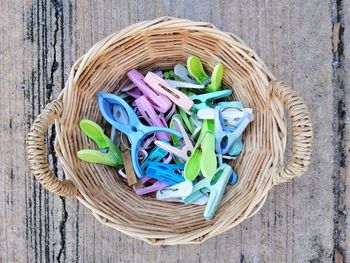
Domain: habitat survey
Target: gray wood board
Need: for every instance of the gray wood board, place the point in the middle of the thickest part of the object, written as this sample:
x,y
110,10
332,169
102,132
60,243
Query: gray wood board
x,y
304,220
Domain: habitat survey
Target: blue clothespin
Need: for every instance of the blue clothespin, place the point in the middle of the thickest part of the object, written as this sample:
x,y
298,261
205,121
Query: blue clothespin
x,y
156,155
206,100
226,135
167,173
134,129
236,147
120,115
230,104
233,178
215,187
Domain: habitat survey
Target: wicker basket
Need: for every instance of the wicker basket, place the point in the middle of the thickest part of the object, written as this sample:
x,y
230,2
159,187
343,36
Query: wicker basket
x,y
160,44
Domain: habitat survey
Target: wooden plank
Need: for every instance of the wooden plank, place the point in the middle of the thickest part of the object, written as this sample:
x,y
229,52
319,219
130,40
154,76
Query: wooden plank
x,y
341,81
40,41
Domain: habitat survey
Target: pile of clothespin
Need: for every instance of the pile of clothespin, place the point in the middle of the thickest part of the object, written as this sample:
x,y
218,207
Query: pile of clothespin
x,y
171,132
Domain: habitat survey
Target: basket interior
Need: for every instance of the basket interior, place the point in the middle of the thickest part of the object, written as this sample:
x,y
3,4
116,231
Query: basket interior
x,y
104,68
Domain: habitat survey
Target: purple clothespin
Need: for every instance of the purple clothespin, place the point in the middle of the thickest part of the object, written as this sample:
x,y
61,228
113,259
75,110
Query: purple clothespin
x,y
132,91
151,117
160,102
157,185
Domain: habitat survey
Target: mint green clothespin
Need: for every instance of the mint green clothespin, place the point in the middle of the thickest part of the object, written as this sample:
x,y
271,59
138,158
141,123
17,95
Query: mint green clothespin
x,y
215,187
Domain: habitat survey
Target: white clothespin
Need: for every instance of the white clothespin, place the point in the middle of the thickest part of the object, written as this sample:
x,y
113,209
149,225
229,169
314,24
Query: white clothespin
x,y
177,193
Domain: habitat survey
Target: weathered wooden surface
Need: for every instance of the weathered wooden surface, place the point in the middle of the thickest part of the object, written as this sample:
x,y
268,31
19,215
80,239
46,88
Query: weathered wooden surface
x,y
302,221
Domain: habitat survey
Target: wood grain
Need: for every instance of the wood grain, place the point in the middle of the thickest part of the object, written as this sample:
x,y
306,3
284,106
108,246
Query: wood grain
x,y
302,221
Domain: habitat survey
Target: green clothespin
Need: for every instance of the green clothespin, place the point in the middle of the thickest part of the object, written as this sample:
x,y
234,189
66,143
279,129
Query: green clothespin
x,y
186,120
107,152
203,157
195,68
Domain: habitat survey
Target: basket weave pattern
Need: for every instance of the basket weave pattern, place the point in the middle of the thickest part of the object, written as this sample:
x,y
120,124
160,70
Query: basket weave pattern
x,y
160,44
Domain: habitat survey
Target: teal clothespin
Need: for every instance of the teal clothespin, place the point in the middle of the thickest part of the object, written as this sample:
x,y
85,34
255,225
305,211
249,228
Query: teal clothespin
x,y
203,101
156,155
215,187
230,104
107,152
195,68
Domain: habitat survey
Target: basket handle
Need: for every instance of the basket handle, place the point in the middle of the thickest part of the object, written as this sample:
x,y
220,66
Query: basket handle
x,y
37,156
302,135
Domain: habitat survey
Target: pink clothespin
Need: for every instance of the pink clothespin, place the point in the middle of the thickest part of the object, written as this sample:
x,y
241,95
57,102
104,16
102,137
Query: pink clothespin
x,y
151,117
161,86
132,89
161,102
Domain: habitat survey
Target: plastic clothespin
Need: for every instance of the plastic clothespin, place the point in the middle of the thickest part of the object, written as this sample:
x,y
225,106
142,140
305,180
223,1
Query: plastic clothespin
x,y
230,104
186,120
122,173
185,149
160,102
151,117
233,178
127,172
205,100
107,152
225,136
142,154
120,115
236,147
196,124
181,84
133,91
114,137
182,72
161,86
167,173
203,157
171,112
230,115
195,68
154,187
156,155
178,192
175,140
134,129
216,188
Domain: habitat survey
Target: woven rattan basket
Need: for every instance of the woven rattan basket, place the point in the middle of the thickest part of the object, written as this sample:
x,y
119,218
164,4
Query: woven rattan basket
x,y
160,44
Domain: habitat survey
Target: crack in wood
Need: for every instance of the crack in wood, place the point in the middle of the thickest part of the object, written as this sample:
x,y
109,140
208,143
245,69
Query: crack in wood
x,y
58,26
339,173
